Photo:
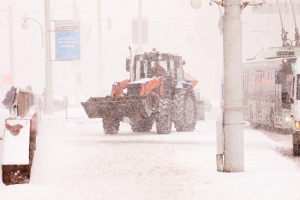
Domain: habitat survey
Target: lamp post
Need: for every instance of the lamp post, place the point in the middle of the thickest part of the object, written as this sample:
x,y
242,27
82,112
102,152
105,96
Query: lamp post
x,y
233,152
100,62
11,46
48,63
140,28
25,26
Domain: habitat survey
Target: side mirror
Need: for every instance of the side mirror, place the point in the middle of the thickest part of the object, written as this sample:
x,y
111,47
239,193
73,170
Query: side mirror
x,y
291,100
183,62
128,64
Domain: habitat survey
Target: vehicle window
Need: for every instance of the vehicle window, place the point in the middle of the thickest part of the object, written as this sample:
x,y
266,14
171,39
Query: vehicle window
x,y
298,87
138,71
162,63
146,68
172,67
180,73
293,90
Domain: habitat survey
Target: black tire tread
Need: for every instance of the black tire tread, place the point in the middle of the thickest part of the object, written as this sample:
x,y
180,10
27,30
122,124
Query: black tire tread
x,y
163,121
111,126
180,118
143,125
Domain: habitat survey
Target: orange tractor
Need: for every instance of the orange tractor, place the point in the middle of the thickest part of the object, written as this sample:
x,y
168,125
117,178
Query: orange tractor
x,y
158,91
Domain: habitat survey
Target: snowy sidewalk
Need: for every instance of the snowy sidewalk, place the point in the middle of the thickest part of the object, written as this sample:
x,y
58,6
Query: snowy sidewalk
x,y
76,160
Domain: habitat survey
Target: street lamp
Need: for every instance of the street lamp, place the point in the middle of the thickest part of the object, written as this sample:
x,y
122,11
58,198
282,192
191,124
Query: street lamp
x,y
196,3
25,26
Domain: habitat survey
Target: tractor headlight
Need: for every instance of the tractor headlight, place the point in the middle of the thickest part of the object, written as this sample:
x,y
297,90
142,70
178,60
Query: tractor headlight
x,y
287,119
297,125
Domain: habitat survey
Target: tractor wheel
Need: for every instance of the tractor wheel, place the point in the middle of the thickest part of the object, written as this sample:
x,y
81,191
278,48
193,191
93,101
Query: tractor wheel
x,y
296,143
185,110
141,125
296,150
163,120
111,126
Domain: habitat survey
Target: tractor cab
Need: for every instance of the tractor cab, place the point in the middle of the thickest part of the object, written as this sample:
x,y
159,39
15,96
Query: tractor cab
x,y
143,64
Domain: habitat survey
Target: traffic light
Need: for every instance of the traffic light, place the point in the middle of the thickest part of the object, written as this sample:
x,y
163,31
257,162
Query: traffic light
x,y
6,79
108,23
79,77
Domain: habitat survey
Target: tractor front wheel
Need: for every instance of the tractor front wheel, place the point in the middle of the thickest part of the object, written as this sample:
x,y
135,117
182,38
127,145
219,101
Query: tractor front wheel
x,y
163,120
111,125
141,125
185,110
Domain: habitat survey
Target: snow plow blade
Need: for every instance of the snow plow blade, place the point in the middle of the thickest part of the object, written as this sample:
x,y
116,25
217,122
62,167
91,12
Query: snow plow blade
x,y
115,107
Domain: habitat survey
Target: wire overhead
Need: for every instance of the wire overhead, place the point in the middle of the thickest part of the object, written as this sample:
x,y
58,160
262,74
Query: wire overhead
x,y
297,37
267,26
285,42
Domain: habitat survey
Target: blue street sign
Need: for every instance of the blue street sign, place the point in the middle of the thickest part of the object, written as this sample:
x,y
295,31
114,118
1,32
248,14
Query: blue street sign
x,y
67,46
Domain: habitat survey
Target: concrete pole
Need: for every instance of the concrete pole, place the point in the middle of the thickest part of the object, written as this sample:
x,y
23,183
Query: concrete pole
x,y
48,63
11,47
233,87
75,62
100,67
140,26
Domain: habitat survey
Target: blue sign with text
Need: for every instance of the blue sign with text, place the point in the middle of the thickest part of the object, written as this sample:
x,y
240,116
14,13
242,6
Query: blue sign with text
x,y
67,46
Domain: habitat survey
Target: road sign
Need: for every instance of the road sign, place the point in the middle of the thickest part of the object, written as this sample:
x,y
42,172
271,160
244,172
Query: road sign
x,y
67,45
67,25
135,31
67,39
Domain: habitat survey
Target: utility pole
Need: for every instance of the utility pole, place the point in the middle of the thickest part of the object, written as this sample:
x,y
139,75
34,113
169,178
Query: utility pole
x,y
11,47
100,67
233,88
48,63
140,26
75,62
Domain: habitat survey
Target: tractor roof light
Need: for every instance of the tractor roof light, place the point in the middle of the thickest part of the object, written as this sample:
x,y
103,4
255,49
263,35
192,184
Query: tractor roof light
x,y
154,49
297,124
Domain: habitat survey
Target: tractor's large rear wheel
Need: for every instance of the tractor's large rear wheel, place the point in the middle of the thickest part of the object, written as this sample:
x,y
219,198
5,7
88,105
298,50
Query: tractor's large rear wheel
x,y
185,110
296,143
163,120
141,125
111,125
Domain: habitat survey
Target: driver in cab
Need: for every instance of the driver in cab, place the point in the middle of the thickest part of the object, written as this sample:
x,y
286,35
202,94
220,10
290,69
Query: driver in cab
x,y
158,70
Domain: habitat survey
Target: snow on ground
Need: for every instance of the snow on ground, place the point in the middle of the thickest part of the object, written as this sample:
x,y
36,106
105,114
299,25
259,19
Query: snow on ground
x,y
76,160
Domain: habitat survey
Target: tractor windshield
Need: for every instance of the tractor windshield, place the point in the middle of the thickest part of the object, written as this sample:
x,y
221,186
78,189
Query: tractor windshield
x,y
143,68
162,63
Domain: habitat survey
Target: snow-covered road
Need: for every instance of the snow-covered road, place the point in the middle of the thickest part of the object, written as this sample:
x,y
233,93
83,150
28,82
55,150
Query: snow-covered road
x,y
76,160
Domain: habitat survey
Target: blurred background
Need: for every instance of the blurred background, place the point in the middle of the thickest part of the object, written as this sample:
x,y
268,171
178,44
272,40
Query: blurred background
x,y
173,26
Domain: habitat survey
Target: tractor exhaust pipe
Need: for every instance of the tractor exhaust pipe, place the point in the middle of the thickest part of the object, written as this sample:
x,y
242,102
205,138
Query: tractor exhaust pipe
x,y
131,66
